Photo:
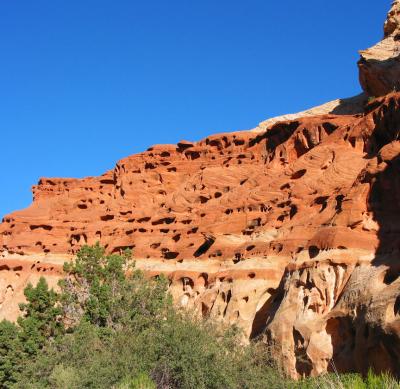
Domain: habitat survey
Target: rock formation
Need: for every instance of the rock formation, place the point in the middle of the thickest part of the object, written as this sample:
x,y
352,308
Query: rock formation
x,y
379,65
290,231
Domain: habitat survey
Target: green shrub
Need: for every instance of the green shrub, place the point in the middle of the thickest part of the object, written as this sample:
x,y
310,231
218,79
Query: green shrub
x,y
141,381
123,332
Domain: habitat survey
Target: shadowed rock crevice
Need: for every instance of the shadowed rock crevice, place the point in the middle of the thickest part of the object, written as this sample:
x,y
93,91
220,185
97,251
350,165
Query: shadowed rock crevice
x,y
290,231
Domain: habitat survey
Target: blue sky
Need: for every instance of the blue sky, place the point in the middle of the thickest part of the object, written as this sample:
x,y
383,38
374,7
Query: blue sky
x,y
84,83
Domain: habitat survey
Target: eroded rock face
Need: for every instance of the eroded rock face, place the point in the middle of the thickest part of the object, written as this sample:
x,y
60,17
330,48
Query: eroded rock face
x,y
291,233
379,66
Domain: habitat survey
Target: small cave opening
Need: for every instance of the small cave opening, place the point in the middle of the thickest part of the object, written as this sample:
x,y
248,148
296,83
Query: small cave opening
x,y
313,251
298,174
205,246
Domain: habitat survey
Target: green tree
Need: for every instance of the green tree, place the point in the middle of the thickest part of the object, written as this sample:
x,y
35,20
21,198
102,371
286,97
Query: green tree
x,y
10,351
41,317
107,291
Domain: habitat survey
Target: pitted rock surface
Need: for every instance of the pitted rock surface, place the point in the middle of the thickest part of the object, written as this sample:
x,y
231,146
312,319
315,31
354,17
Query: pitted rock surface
x,y
290,231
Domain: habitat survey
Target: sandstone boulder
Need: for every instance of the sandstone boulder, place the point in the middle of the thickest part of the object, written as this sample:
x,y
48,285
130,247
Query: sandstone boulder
x,y
379,66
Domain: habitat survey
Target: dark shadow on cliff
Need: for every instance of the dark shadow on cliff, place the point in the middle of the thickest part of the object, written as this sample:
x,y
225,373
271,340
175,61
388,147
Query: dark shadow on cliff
x,y
351,105
369,337
359,341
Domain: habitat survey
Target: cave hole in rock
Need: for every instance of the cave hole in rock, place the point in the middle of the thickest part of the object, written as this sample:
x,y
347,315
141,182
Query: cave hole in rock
x,y
239,142
42,226
251,275
82,206
298,174
170,254
203,199
121,249
205,246
391,275
396,307
293,211
339,201
304,365
216,253
329,127
192,154
149,165
187,283
202,280
106,217
313,251
164,220
322,201
226,297
238,258
176,237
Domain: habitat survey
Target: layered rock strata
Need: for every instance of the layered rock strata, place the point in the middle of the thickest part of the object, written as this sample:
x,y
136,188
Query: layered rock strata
x,y
290,231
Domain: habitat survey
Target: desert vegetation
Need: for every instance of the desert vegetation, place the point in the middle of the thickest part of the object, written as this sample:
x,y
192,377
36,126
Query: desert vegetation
x,y
109,326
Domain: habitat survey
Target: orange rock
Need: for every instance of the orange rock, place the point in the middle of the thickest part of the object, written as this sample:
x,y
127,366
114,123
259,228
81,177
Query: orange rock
x,y
379,68
280,232
290,231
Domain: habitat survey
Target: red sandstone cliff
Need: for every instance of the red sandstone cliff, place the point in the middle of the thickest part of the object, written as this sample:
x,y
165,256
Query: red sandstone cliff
x,y
290,231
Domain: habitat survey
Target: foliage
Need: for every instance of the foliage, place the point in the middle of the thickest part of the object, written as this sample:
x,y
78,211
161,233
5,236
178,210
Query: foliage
x,y
122,331
350,381
40,321
141,381
38,326
9,351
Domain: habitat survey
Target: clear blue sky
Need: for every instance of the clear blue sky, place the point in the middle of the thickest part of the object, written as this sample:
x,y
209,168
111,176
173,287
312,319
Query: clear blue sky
x,y
84,83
